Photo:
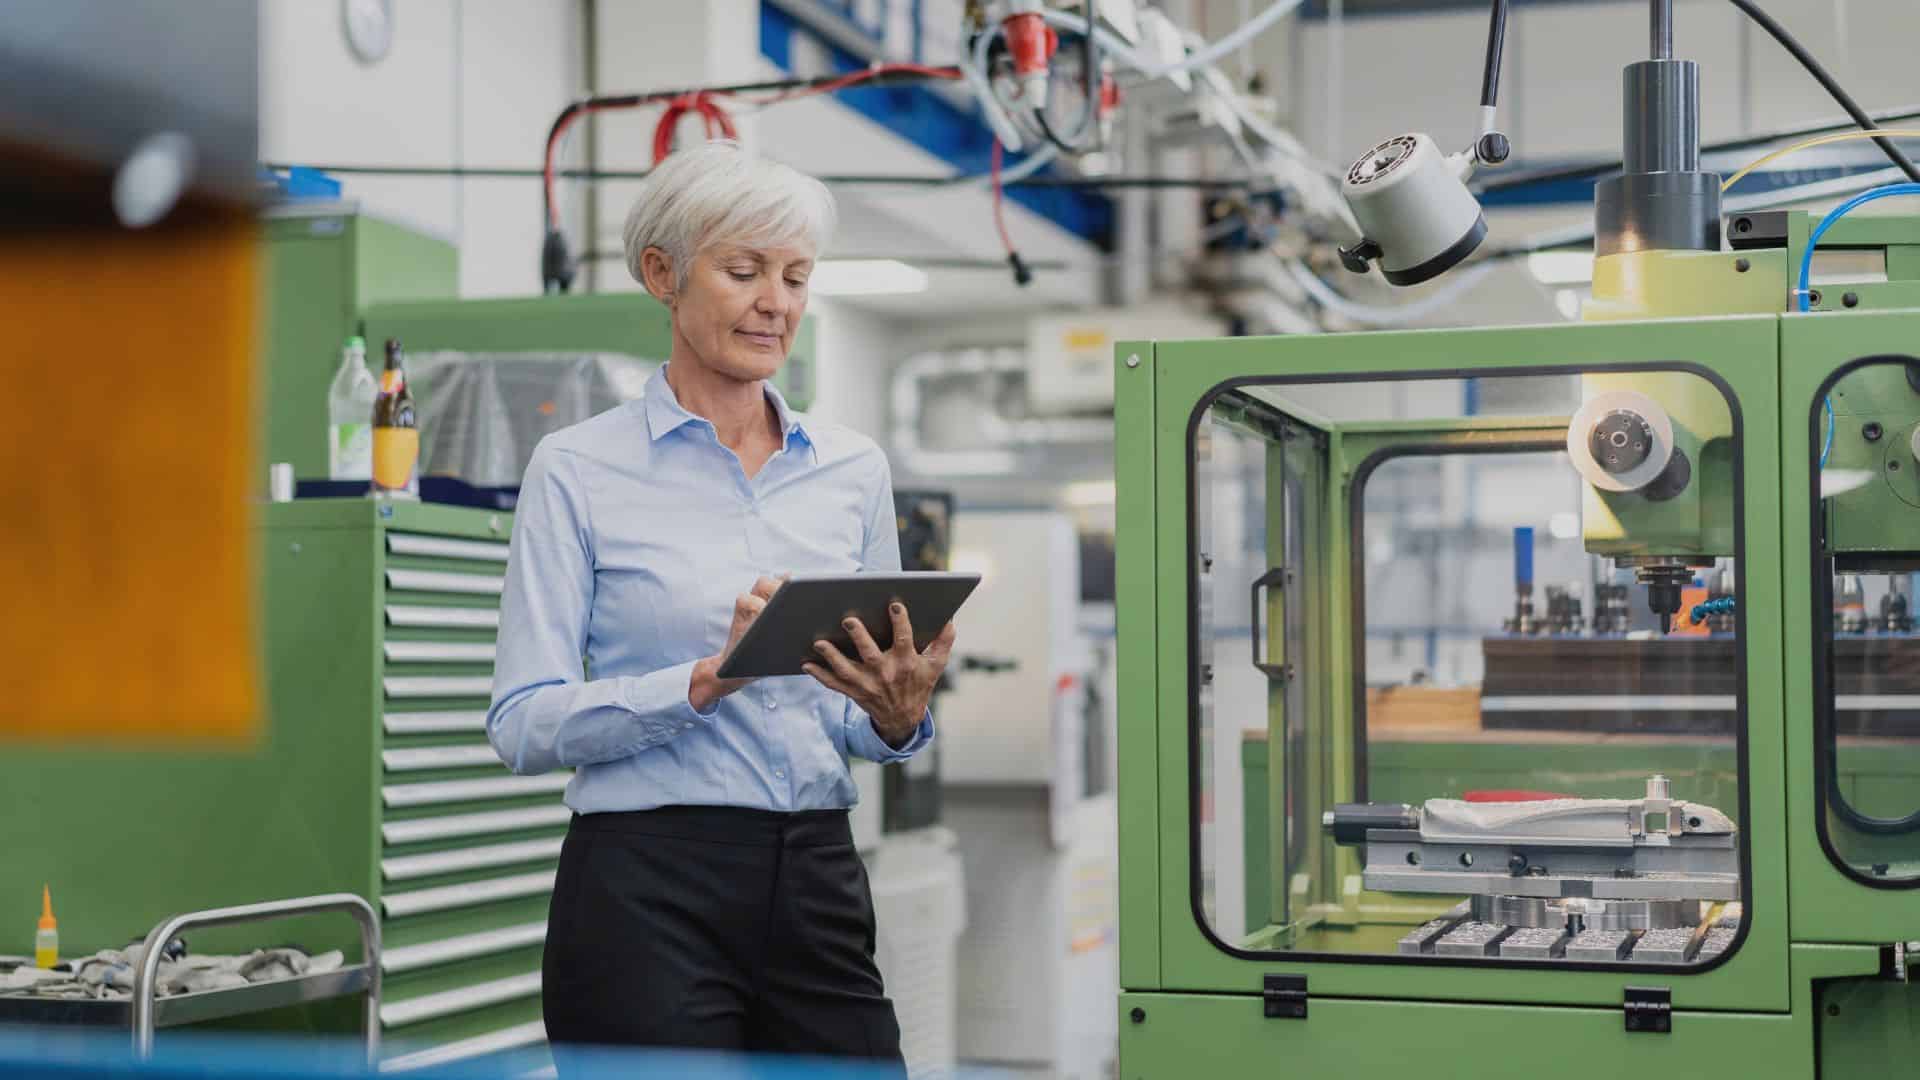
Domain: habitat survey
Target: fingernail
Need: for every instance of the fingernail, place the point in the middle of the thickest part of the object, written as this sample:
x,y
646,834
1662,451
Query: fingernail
x,y
848,624
897,609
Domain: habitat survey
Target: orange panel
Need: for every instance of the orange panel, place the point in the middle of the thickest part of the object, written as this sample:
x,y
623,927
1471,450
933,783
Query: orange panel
x,y
126,564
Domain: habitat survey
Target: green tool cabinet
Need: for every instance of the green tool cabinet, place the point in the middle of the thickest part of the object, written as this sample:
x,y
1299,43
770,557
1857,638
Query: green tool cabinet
x,y
370,774
382,618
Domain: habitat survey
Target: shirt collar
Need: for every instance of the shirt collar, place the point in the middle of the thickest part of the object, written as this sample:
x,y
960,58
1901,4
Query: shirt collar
x,y
665,414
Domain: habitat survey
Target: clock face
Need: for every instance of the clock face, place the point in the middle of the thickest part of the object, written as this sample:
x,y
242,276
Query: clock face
x,y
369,25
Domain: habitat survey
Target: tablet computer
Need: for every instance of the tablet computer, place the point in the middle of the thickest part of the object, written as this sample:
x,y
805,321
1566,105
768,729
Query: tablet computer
x,y
810,608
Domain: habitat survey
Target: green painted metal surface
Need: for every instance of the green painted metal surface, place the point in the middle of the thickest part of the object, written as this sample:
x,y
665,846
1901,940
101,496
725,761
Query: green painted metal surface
x,y
1739,351
322,272
1830,903
1227,1037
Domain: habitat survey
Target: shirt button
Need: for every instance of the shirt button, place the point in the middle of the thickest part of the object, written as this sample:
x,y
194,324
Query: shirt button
x,y
780,774
771,705
689,725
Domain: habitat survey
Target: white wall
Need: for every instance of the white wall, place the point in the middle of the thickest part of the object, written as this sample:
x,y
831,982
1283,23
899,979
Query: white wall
x,y
467,82
1365,79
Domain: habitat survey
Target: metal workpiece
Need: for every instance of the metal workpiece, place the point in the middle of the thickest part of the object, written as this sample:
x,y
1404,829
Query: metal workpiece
x,y
1578,913
1579,863
1535,943
1676,945
1472,939
1601,946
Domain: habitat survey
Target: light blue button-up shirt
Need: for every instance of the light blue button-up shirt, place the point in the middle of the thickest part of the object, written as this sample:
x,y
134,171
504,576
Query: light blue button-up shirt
x,y
634,533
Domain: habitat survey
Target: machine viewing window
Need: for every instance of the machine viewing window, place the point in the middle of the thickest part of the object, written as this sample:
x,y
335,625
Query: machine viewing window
x,y
1866,464
1467,676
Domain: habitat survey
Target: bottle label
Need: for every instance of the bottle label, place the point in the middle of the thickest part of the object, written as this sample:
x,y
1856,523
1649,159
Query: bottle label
x,y
391,380
396,456
350,452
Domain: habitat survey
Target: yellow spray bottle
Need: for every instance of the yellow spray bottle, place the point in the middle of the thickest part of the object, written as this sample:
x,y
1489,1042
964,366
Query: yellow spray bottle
x,y
46,941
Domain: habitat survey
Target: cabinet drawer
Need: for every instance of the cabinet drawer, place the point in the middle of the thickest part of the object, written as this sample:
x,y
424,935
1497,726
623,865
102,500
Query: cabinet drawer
x,y
434,723
433,792
444,547
460,826
463,947
459,999
485,857
466,894
438,652
445,581
419,759
430,616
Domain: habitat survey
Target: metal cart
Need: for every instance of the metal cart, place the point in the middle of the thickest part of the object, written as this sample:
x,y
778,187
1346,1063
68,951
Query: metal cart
x,y
143,1012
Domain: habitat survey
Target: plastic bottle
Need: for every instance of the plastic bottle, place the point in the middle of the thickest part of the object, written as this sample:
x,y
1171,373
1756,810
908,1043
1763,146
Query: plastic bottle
x,y
46,940
349,407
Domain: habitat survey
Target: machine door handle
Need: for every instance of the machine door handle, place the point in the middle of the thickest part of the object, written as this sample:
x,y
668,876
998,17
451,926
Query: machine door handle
x,y
1278,577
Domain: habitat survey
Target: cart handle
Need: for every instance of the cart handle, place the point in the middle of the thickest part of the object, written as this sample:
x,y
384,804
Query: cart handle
x,y
163,935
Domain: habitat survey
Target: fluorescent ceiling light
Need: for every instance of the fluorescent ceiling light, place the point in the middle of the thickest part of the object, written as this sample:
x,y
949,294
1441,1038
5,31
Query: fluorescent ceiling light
x,y
1561,267
866,277
1090,493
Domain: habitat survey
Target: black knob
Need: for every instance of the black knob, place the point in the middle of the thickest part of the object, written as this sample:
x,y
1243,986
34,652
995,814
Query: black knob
x,y
1493,148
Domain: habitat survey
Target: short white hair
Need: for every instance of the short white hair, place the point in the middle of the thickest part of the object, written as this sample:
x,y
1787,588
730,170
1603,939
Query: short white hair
x,y
718,193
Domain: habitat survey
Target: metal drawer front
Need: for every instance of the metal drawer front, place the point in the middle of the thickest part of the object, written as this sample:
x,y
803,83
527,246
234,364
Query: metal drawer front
x,y
453,826
427,616
452,791
426,652
448,897
438,757
511,1038
448,1002
445,581
446,547
419,686
464,947
408,867
433,723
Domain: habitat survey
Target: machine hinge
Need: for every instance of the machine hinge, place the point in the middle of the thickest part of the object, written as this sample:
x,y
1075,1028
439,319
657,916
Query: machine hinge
x,y
1285,997
1649,1008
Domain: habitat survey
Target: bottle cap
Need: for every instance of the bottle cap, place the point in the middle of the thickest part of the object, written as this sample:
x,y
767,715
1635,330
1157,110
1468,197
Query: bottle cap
x,y
46,909
357,342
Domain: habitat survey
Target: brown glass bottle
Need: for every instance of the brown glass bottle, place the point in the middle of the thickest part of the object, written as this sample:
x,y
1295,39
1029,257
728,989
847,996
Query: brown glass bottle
x,y
396,432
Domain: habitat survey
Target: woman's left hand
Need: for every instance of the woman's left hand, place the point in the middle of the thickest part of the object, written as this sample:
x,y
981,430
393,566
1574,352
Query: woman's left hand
x,y
891,685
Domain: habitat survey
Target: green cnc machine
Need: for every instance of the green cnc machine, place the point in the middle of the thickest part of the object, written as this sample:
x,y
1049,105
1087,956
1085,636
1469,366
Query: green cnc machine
x,y
1664,814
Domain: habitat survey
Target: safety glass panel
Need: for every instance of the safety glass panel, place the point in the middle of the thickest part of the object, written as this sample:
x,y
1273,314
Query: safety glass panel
x,y
1867,685
1467,675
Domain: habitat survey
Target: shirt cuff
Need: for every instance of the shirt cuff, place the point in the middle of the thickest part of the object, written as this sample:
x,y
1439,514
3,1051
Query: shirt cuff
x,y
866,742
660,700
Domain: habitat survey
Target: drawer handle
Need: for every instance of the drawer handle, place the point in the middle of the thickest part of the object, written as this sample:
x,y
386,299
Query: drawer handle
x,y
446,548
466,894
423,615
464,947
418,830
408,867
511,1038
438,757
419,686
452,652
462,999
433,723
452,791
446,581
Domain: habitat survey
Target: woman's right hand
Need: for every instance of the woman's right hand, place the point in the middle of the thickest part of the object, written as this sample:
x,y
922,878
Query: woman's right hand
x,y
707,687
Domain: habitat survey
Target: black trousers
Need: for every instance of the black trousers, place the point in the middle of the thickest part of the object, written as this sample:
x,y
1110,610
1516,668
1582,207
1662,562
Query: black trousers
x,y
716,927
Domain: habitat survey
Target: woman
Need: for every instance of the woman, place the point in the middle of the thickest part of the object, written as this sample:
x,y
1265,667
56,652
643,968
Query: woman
x,y
708,894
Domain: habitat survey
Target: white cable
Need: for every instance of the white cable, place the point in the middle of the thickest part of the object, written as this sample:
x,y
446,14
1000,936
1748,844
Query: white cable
x,y
1116,46
1398,314
976,75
